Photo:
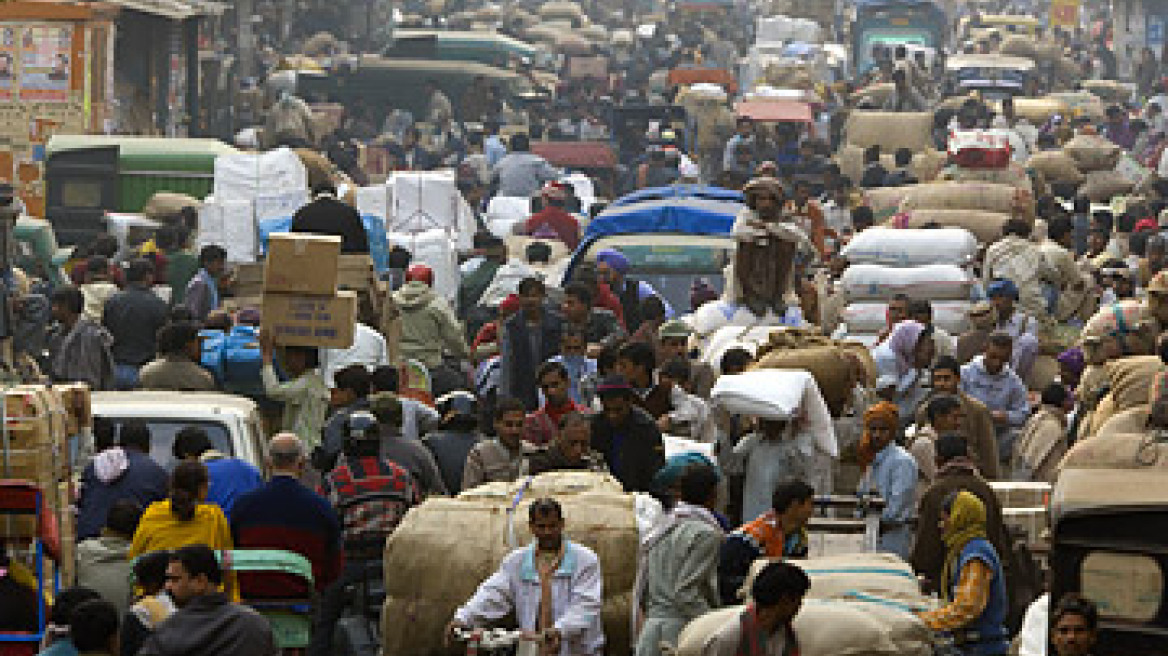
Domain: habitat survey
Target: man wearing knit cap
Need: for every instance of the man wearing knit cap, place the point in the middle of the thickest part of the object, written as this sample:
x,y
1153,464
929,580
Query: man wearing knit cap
x,y
613,268
673,344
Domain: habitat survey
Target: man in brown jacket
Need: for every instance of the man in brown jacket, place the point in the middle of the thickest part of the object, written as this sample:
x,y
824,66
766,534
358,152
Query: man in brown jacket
x,y
955,471
972,420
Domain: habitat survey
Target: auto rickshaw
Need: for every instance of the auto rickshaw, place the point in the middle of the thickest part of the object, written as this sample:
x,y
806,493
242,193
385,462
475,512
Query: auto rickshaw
x,y
89,175
1109,544
993,76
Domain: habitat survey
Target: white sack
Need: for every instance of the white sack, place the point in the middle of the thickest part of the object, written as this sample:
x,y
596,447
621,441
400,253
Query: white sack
x,y
869,318
931,281
780,394
232,225
908,247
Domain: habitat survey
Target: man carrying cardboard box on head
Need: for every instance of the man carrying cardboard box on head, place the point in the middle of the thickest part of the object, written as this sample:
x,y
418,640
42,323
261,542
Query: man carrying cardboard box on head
x,y
301,304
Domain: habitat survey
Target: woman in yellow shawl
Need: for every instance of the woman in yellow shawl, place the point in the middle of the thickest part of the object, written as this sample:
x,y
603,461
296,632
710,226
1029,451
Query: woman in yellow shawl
x,y
973,585
184,519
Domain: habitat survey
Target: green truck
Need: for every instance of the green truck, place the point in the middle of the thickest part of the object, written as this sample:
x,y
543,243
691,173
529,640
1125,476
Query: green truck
x,y
889,23
89,175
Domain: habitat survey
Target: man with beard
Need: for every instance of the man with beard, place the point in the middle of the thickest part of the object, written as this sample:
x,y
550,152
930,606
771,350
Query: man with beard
x,y
767,246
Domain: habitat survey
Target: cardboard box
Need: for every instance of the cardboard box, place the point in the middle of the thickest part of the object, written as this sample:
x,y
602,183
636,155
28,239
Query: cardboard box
x,y
302,264
301,320
356,272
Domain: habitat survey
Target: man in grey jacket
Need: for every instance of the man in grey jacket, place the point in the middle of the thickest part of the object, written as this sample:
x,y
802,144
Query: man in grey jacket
x,y
521,173
206,622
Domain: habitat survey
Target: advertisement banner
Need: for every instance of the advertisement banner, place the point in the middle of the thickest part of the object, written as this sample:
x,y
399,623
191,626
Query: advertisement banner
x,y
1064,13
45,64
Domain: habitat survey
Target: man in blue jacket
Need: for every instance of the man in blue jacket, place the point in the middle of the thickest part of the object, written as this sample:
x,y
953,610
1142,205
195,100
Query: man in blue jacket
x,y
116,473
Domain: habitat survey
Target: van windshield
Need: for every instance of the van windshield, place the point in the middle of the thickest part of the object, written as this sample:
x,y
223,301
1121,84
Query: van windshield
x,y
162,432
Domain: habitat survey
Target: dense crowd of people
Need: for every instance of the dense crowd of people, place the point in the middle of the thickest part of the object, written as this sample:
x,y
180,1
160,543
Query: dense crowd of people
x,y
528,374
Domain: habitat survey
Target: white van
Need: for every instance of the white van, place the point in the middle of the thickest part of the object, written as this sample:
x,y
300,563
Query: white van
x,y
232,422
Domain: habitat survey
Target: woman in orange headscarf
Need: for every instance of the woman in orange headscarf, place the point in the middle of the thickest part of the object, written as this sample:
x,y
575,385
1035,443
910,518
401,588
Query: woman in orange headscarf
x,y
890,472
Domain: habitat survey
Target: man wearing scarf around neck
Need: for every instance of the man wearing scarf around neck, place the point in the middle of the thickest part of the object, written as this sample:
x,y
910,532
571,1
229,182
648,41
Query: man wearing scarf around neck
x,y
763,628
677,577
973,585
553,587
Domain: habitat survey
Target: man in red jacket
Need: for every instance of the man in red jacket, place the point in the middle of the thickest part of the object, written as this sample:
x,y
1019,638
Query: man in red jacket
x,y
553,219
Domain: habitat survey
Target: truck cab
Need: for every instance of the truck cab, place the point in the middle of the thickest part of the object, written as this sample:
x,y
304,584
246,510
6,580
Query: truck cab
x,y
889,23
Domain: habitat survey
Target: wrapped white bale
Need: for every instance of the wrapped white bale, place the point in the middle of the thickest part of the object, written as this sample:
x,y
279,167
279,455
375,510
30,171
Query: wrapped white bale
x,y
890,130
862,282
431,568
986,226
897,247
435,248
984,196
869,318
245,176
831,628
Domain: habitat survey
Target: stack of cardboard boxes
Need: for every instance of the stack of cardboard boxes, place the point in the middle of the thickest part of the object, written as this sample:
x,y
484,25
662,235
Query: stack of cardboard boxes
x,y
38,424
302,305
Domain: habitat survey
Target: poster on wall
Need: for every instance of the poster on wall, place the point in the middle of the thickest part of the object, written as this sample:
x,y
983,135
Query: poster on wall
x,y
45,65
8,48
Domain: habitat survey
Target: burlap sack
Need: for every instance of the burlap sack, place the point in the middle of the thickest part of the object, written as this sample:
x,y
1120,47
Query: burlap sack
x,y
432,567
1057,167
1092,152
1131,378
827,361
1119,451
876,94
320,169
986,226
890,130
166,205
1044,372
1132,420
885,201
1039,110
1102,186
1014,175
986,197
1018,45
830,628
1047,51
1104,411
1067,72
1109,91
1130,320
841,577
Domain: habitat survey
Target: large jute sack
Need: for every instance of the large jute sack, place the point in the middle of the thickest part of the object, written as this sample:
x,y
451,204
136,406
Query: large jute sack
x,y
831,628
1047,51
1103,412
890,130
885,201
843,576
1043,372
896,247
932,281
833,368
432,568
925,165
1014,175
1109,91
1118,451
876,94
1039,110
166,205
1131,379
1132,420
1102,186
987,197
1017,45
1126,326
1092,152
1057,167
869,317
986,226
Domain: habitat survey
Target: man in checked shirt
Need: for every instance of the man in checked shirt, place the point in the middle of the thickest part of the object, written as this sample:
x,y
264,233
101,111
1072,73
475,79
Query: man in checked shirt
x,y
372,495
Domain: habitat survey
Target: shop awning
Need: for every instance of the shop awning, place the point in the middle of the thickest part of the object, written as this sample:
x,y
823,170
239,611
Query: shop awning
x,y
170,9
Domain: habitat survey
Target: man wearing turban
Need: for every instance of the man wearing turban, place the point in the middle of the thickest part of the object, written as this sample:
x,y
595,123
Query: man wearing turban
x,y
768,244
613,268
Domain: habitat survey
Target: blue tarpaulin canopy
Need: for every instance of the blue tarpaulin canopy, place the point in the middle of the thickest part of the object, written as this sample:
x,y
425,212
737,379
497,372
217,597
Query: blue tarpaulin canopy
x,y
693,211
